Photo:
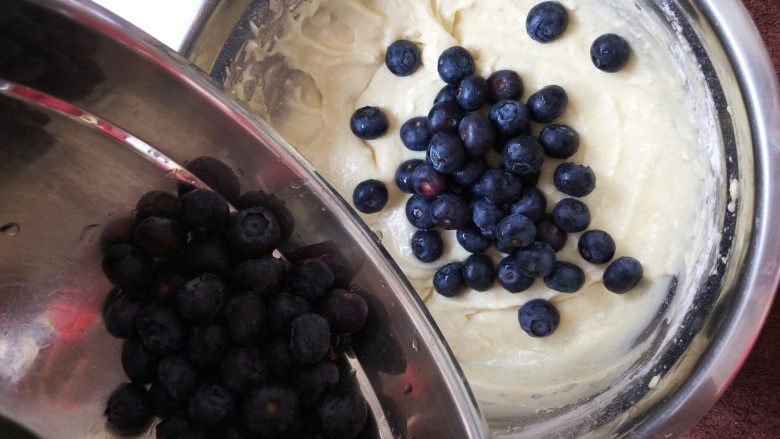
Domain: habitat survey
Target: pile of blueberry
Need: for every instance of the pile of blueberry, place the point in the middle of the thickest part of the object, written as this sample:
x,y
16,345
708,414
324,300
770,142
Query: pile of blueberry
x,y
480,172
222,338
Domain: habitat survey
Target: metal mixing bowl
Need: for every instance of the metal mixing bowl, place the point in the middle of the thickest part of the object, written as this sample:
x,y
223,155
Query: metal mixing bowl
x,y
702,334
94,113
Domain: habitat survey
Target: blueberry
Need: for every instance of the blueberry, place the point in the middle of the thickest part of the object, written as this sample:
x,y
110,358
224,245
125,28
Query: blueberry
x,y
157,203
471,171
346,311
504,84
499,186
622,274
510,117
247,319
164,406
342,414
547,103
370,196
253,232
415,134
559,141
368,123
506,248
280,362
477,133
536,260
265,276
575,180
129,409
309,338
565,277
403,175
343,269
610,52
177,377
547,231
203,210
450,212
532,204
427,245
473,92
120,313
486,216
455,64
402,58
596,246
283,308
168,278
126,267
546,21
509,276
211,406
472,240
522,155
538,318
418,212
208,253
479,272
271,411
243,368
311,279
276,206
201,299
139,363
446,152
571,215
448,280
216,175
208,345
160,328
173,426
448,93
310,382
445,116
516,231
428,182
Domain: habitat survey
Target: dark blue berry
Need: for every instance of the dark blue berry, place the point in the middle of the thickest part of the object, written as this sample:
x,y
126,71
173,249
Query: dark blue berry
x,y
203,210
127,268
415,134
168,278
446,153
311,382
450,212
504,84
428,182
208,345
575,180
427,245
547,103
455,64
283,309
342,414
129,409
559,141
473,92
139,363
448,280
547,231
516,231
538,318
247,319
418,212
264,276
370,196
160,328
622,274
470,172
445,116
477,133
472,240
402,58
499,186
565,277
201,299
216,175
522,155
506,247
211,406
120,313
571,215
309,338
610,52
448,93
346,311
173,426
208,253
271,410
509,276
532,204
479,272
243,368
368,123
596,246
253,232
276,206
546,21
157,203
178,378
279,358
486,216
311,279
510,117
536,260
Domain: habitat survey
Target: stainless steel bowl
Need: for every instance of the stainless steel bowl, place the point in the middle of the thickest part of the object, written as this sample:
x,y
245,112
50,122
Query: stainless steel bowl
x,y
698,346
93,113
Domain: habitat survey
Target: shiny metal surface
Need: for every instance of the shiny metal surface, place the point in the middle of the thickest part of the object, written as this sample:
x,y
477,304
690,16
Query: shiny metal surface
x,y
67,173
700,348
